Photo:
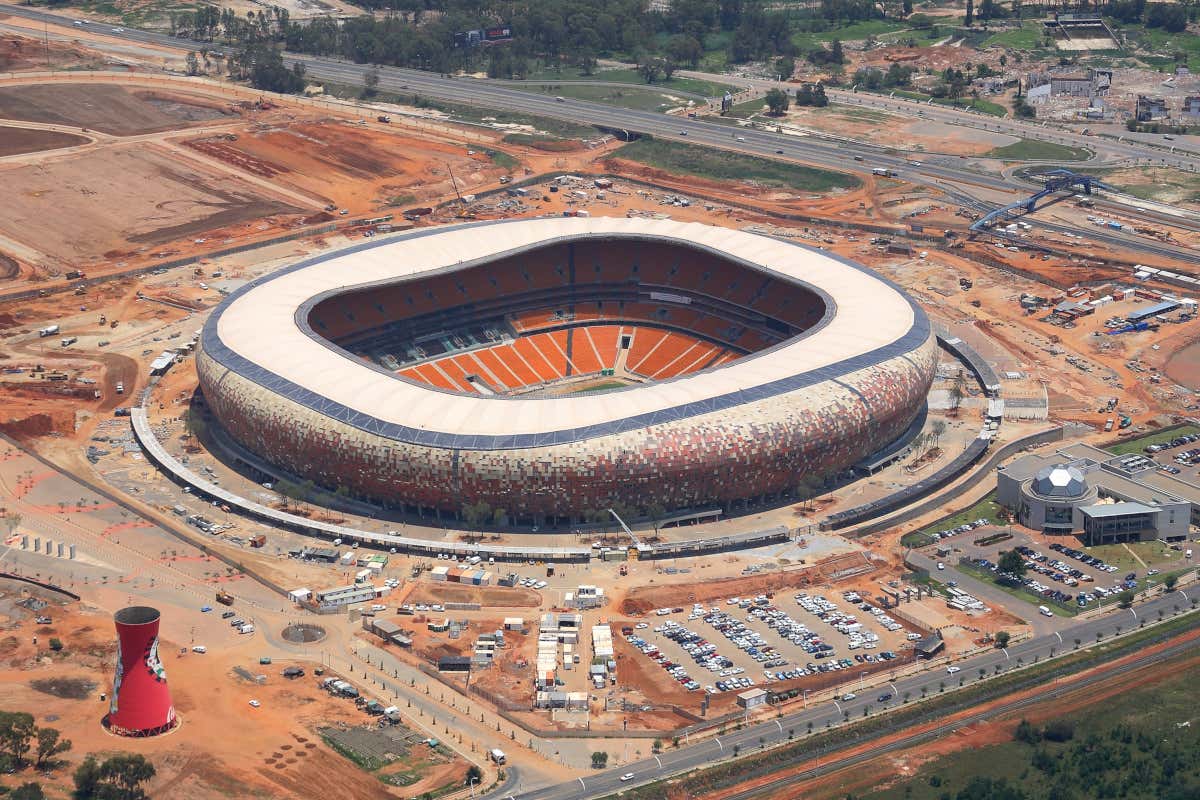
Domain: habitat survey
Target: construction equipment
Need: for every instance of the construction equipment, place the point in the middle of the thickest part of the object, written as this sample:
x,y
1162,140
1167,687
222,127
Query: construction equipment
x,y
224,597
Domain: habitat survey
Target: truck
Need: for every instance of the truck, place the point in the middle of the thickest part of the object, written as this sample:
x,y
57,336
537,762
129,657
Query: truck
x,y
223,597
70,340
883,171
247,628
1108,424
391,714
497,756
49,330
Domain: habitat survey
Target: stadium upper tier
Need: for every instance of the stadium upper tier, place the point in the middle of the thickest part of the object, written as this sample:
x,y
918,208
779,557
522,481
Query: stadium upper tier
x,y
766,360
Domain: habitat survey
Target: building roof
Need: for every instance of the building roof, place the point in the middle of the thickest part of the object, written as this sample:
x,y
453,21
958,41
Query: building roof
x,y
260,332
1103,510
1060,480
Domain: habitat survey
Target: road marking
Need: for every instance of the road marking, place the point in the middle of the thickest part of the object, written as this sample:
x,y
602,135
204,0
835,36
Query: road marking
x,y
659,760
1059,635
717,739
839,708
780,724
1005,651
1183,594
1131,611
892,686
581,783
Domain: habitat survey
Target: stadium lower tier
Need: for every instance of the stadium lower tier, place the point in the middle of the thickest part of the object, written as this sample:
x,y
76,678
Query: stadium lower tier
x,y
545,358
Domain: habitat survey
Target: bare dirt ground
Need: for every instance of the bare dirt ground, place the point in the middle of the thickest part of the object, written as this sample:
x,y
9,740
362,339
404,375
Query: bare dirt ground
x,y
224,747
14,141
127,200
487,596
109,109
27,54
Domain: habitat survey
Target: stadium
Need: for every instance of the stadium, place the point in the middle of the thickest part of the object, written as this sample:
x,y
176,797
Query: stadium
x,y
553,368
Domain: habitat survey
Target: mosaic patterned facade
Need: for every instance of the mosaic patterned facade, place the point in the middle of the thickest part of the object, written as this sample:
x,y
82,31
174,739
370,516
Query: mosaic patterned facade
x,y
763,446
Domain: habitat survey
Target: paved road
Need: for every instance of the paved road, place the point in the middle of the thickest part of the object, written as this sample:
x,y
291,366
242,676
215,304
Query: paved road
x,y
834,712
942,172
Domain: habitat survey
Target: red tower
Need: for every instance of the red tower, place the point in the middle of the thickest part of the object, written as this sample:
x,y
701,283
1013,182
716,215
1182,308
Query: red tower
x,y
141,702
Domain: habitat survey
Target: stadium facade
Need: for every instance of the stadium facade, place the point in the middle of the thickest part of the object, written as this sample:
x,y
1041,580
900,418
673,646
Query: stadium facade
x,y
555,367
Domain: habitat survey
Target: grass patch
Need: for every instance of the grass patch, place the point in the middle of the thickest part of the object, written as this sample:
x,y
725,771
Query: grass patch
x,y
631,76
1153,553
67,688
987,508
1027,37
459,112
550,144
1019,591
1138,444
705,162
808,40
502,159
639,98
600,387
982,106
1031,150
366,762
1140,723
400,200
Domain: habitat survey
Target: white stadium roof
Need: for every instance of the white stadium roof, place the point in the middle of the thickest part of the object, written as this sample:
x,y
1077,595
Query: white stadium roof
x,y
258,327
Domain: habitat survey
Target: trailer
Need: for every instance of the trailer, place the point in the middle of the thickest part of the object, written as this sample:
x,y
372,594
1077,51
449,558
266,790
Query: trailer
x,y
881,171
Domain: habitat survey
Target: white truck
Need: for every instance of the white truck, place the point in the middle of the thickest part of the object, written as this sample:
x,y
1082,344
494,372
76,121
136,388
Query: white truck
x,y
497,756
49,330
392,714
884,171
247,628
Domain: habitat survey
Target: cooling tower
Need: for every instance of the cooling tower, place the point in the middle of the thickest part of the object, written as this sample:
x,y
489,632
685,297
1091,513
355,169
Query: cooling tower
x,y
140,704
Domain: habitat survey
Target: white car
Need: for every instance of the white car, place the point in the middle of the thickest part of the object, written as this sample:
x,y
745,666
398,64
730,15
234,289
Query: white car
x,y
628,776
848,696
199,649
540,585
378,607
118,30
255,704
940,565
641,626
952,670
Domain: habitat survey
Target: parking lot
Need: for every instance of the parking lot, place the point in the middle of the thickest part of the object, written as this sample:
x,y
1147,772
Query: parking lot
x,y
742,643
1056,571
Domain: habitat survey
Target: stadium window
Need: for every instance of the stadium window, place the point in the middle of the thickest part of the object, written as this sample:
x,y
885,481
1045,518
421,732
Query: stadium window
x,y
379,308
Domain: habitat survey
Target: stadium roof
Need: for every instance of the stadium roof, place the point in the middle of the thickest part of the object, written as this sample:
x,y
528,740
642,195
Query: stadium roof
x,y
260,333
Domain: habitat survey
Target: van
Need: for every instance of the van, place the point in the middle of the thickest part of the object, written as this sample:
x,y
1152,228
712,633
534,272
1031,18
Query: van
x,y
1187,553
1045,612
497,755
199,649
120,387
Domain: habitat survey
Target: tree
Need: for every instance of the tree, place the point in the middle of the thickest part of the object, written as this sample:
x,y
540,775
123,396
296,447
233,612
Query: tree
x,y
970,17
27,791
370,81
599,760
777,102
1170,581
474,775
87,778
16,734
125,773
957,393
836,55
1002,638
56,644
49,745
1012,563
193,63
1125,598
785,66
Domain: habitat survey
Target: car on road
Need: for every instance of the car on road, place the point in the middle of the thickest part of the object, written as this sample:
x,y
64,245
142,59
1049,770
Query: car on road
x,y
683,133
952,670
118,30
940,565
883,698
848,696
778,152
628,776
255,704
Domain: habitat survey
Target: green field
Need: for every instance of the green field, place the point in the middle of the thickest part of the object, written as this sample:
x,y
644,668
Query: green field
x,y
705,162
1137,444
1027,37
987,508
1129,745
1155,553
603,386
1031,150
1160,43
847,33
982,106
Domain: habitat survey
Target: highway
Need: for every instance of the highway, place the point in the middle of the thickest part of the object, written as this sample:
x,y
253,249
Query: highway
x,y
944,173
775,731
